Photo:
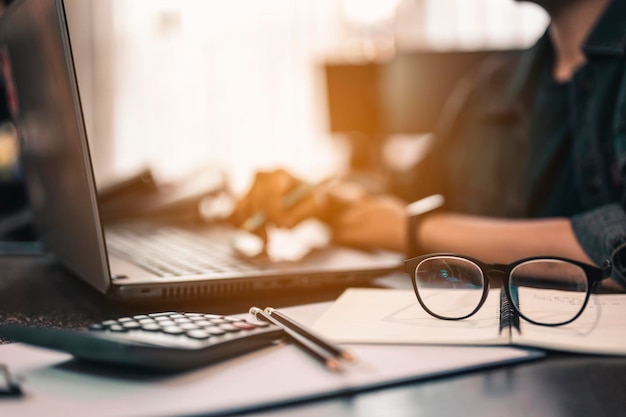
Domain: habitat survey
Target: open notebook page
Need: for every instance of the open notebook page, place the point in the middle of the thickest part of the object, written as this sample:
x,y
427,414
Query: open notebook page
x,y
363,315
395,316
600,329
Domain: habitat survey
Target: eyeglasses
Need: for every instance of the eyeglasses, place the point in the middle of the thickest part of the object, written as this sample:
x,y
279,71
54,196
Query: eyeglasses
x,y
548,291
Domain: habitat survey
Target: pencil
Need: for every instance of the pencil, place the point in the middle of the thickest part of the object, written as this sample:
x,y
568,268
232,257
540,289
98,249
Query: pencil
x,y
303,343
309,334
292,198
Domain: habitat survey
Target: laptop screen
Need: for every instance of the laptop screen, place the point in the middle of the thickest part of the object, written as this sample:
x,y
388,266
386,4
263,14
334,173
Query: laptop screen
x,y
53,144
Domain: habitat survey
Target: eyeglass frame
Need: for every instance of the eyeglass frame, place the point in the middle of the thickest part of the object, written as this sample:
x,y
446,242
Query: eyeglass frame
x,y
594,276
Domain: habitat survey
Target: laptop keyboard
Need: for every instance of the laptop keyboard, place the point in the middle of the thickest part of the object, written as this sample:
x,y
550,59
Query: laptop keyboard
x,y
170,252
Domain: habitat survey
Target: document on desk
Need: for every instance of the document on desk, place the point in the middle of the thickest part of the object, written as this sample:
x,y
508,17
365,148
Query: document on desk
x,y
55,385
394,316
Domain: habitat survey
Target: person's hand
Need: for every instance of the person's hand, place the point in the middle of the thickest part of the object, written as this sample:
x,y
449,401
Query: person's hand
x,y
367,221
356,217
268,202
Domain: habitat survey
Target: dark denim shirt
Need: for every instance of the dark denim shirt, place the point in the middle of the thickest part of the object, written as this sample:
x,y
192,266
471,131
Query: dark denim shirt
x,y
480,159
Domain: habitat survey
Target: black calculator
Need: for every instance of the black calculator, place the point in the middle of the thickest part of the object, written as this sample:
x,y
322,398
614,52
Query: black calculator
x,y
166,341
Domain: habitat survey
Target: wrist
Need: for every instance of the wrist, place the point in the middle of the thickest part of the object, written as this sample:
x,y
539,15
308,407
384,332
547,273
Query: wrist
x,y
415,213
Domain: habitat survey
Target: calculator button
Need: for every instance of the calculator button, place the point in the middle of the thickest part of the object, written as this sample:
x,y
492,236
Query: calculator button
x,y
229,328
214,331
233,319
218,321
124,319
188,326
151,327
182,320
116,328
96,326
109,322
166,323
173,330
198,334
244,326
140,317
203,323
212,316
131,325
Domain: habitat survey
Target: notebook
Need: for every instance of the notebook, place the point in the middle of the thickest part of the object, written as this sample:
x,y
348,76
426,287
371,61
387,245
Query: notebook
x,y
58,173
366,315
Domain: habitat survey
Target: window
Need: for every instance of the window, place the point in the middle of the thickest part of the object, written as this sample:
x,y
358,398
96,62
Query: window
x,y
177,84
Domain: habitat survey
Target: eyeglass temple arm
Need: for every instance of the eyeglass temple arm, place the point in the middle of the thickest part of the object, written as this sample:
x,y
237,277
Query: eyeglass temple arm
x,y
607,270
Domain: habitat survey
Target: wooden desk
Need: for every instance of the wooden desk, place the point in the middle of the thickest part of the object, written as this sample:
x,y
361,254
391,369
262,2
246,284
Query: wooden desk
x,y
33,290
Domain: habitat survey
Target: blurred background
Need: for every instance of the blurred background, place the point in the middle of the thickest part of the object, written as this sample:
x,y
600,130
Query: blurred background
x,y
244,85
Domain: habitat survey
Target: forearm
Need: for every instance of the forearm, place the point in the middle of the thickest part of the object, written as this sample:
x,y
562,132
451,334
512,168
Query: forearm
x,y
499,240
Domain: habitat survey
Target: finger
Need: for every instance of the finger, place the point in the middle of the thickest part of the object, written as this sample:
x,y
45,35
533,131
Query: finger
x,y
307,208
285,193
344,192
272,202
338,198
373,222
261,191
243,204
306,201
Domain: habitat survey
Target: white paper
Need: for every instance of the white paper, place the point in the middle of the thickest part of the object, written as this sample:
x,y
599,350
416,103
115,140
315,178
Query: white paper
x,y
54,385
600,329
368,315
363,315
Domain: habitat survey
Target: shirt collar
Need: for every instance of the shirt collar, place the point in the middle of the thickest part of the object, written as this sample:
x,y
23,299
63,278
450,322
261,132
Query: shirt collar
x,y
607,37
609,34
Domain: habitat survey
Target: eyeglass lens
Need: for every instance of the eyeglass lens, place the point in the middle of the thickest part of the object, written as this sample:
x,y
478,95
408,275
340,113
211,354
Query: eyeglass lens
x,y
548,291
453,287
545,291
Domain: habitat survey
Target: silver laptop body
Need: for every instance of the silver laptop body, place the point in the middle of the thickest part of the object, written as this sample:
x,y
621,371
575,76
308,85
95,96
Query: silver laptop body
x,y
34,38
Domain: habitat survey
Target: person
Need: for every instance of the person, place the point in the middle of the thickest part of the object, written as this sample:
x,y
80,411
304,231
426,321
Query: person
x,y
13,197
5,113
531,158
8,139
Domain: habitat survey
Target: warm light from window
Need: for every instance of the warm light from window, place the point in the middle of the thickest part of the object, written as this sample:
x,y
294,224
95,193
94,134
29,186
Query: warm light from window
x,y
368,12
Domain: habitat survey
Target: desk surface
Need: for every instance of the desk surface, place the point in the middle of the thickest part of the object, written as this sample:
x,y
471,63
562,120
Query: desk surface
x,y
32,290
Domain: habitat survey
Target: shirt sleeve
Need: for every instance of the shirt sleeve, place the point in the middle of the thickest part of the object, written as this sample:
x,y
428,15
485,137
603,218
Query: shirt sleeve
x,y
602,234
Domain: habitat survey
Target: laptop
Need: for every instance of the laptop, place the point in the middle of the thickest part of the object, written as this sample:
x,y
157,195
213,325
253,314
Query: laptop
x,y
58,173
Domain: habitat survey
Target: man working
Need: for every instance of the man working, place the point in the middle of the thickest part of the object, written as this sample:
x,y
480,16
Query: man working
x,y
531,160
